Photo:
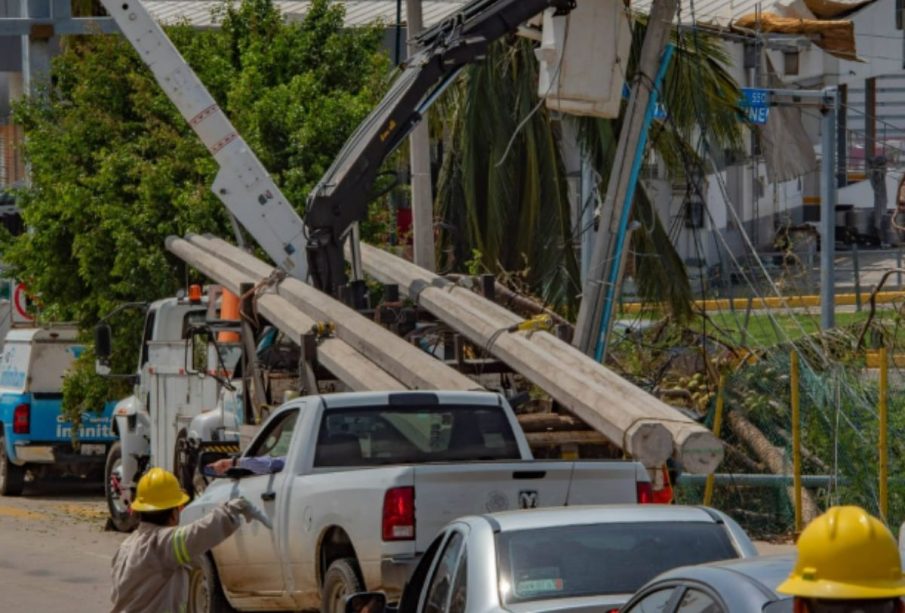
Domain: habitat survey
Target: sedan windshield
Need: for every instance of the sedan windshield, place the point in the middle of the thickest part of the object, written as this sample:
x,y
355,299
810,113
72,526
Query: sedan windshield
x,y
597,559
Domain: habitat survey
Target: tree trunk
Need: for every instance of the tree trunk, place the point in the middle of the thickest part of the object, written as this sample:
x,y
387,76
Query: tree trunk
x,y
771,457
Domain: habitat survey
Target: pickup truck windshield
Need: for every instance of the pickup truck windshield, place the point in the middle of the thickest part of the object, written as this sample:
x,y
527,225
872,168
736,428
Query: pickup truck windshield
x,y
373,436
597,559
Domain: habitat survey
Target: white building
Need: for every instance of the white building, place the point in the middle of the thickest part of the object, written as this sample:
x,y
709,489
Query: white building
x,y
759,197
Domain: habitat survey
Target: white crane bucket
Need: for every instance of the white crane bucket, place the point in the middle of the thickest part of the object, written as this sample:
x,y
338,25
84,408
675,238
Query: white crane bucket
x,y
583,58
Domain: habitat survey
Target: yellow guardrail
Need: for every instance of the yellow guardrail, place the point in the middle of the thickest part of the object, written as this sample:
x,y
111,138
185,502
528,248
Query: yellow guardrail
x,y
772,302
873,360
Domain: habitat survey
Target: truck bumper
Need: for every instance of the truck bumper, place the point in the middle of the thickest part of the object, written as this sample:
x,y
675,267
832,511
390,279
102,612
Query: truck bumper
x,y
394,572
48,453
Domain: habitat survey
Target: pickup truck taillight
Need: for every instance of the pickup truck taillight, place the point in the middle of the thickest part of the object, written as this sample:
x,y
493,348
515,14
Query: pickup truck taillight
x,y
645,492
399,514
22,419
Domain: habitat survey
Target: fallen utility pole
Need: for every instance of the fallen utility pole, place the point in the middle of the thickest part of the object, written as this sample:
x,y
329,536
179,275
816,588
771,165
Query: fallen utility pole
x,y
347,364
643,426
402,360
590,313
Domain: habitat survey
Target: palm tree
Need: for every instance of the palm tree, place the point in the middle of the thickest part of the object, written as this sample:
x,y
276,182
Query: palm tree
x,y
502,188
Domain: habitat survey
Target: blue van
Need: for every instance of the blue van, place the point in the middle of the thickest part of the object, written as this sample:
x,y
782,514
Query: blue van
x,y
34,435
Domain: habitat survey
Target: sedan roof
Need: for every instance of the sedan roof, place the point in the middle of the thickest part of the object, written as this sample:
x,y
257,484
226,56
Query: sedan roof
x,y
600,514
768,571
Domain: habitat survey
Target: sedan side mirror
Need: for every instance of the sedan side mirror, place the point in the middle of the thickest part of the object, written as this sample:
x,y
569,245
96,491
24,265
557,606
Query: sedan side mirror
x,y
366,602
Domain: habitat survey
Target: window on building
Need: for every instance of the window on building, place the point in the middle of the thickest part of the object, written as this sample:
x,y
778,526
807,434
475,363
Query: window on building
x,y
900,6
790,61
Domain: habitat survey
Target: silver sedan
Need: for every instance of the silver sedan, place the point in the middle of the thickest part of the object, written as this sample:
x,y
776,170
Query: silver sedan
x,y
560,559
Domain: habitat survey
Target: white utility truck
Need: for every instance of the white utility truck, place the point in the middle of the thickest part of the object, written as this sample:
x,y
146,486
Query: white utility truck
x,y
184,405
367,481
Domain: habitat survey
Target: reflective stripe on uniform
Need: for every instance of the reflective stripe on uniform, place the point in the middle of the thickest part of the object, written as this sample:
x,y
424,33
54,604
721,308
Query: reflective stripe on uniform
x,y
179,548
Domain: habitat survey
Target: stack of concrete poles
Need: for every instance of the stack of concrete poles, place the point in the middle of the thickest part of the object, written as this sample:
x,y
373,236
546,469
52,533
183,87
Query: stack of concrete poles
x,y
643,426
600,397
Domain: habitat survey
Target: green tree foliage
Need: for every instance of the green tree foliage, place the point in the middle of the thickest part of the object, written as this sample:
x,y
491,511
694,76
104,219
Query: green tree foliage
x,y
502,190
115,169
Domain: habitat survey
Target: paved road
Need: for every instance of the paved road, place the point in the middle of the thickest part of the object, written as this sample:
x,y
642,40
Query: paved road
x,y
54,553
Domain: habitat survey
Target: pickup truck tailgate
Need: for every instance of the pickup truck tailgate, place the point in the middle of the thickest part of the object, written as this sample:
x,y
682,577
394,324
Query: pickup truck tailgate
x,y
444,492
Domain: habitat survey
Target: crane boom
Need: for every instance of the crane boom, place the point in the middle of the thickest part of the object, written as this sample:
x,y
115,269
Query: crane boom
x,y
342,195
242,183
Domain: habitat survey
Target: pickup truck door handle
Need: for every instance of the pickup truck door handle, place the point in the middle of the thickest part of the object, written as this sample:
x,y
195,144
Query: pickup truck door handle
x,y
529,474
268,496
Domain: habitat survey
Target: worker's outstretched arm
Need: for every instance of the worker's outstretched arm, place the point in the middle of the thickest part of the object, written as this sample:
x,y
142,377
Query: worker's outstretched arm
x,y
197,538
262,465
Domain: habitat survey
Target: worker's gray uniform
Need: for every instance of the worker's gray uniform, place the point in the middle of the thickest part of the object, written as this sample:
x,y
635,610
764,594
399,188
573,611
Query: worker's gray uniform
x,y
151,567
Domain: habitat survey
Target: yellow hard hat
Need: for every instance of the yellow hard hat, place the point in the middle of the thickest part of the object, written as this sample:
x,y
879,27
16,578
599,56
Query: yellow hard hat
x,y
846,553
158,490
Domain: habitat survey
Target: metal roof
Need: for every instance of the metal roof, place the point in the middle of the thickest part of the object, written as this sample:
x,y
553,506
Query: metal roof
x,y
198,13
717,12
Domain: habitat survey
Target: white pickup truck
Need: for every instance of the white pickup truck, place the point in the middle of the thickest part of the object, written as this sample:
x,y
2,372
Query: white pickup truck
x,y
369,479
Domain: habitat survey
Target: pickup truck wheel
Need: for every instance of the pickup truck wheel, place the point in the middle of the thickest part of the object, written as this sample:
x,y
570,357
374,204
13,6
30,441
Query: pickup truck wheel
x,y
120,517
342,580
205,592
12,477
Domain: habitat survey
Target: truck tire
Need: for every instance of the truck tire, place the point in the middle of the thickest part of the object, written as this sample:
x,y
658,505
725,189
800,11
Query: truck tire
x,y
120,517
205,592
341,580
12,477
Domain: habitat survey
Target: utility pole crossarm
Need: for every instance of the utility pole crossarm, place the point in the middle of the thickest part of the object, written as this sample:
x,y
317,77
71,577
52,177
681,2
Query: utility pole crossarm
x,y
242,184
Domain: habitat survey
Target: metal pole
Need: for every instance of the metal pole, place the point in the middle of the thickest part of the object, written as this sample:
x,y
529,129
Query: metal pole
x,y
717,426
857,274
590,312
620,245
796,439
883,448
828,211
899,266
397,56
419,142
842,137
870,120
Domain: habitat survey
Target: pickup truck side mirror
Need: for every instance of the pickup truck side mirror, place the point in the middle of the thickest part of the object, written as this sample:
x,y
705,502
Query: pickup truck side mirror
x,y
366,602
102,349
102,341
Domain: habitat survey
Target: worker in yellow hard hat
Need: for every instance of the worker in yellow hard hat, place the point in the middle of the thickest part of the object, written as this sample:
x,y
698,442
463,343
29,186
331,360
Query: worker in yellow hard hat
x,y
151,567
848,562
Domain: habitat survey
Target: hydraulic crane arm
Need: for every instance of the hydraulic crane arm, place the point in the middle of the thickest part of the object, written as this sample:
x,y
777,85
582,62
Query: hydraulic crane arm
x,y
341,197
242,184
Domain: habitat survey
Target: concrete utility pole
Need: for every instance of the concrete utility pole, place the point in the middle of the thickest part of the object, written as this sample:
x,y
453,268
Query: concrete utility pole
x,y
419,145
659,27
828,212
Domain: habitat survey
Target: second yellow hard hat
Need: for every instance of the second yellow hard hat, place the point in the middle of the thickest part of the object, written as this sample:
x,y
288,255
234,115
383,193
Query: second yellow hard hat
x,y
846,553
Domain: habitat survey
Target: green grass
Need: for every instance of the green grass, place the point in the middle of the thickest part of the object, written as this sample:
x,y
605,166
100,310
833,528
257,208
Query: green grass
x,y
760,331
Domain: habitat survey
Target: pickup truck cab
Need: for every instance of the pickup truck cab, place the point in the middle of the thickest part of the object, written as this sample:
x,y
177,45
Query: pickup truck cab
x,y
34,434
369,479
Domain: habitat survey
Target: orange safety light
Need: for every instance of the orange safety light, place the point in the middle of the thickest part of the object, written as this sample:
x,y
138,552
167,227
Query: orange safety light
x,y
229,311
194,293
